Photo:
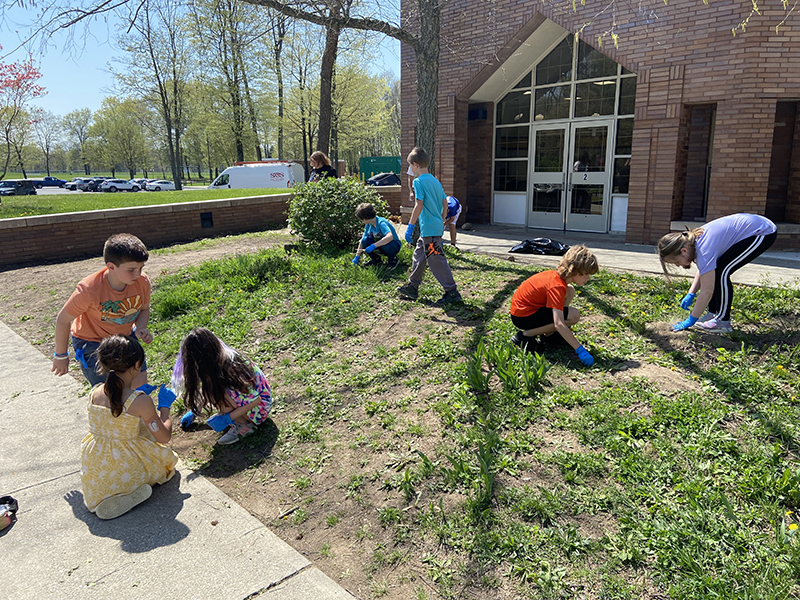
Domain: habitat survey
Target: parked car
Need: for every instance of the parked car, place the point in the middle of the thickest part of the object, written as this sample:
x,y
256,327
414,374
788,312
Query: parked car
x,y
160,185
93,184
384,179
118,185
73,185
49,182
17,187
142,183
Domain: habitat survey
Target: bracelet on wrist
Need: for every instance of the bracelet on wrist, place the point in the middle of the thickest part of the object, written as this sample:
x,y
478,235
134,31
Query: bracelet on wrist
x,y
57,355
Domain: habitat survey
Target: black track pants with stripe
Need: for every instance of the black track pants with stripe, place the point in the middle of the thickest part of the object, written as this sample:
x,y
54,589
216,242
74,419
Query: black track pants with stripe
x,y
733,259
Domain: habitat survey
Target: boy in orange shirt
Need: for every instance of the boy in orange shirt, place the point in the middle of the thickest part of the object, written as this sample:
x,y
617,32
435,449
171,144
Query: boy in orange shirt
x,y
113,301
541,305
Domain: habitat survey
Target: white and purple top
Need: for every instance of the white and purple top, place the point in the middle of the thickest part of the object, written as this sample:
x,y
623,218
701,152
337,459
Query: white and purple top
x,y
720,234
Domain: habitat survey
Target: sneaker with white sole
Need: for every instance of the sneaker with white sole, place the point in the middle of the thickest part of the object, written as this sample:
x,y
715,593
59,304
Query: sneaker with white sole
x,y
235,433
706,317
715,326
118,505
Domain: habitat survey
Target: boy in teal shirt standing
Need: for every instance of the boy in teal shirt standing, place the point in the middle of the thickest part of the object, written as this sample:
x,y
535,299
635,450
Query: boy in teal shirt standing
x,y
430,208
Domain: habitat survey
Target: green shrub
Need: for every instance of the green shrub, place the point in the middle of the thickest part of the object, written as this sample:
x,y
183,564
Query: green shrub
x,y
323,213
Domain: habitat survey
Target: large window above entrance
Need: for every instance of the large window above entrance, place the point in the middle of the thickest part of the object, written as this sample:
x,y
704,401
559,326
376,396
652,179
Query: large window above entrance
x,y
573,81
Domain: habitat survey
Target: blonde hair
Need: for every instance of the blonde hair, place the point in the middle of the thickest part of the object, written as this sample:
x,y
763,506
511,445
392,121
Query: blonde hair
x,y
671,245
578,260
320,158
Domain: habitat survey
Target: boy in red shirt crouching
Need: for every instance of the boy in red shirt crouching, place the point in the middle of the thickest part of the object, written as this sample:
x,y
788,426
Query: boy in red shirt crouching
x,y
541,305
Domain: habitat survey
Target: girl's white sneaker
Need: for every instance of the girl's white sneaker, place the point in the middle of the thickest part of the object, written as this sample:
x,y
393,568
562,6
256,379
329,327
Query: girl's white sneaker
x,y
118,505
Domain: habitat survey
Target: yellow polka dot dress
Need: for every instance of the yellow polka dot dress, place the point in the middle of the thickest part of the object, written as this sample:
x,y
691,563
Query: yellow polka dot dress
x,y
119,454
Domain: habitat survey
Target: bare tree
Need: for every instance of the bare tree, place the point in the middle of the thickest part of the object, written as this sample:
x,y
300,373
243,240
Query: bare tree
x,y
158,67
48,131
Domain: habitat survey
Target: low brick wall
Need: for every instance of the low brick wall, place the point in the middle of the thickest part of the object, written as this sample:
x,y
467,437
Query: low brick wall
x,y
49,238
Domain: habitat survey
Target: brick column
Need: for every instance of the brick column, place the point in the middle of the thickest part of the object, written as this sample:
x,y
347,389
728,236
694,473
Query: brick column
x,y
741,156
657,136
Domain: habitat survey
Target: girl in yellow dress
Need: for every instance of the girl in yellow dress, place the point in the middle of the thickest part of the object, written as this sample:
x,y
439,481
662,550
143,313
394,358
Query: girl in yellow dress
x,y
123,456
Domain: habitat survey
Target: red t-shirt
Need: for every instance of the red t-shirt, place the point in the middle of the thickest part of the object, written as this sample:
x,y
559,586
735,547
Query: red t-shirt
x,y
102,311
545,289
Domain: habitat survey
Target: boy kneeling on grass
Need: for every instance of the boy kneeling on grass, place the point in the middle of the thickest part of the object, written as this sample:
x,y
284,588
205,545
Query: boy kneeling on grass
x,y
379,238
541,305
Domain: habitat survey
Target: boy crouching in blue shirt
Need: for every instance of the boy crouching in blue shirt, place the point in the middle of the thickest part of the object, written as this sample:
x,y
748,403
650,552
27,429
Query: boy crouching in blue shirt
x,y
379,238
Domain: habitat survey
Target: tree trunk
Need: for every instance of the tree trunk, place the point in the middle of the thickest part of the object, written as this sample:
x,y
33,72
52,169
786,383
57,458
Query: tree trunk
x,y
326,85
428,78
251,108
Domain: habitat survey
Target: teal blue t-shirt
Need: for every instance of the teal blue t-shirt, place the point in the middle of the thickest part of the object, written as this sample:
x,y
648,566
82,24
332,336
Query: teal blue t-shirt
x,y
384,226
428,189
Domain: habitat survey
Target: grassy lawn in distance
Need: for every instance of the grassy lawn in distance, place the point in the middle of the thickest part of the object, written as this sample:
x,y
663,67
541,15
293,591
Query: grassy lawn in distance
x,y
28,206
415,452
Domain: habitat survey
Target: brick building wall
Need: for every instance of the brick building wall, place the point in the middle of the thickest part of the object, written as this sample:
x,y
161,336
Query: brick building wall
x,y
683,53
61,237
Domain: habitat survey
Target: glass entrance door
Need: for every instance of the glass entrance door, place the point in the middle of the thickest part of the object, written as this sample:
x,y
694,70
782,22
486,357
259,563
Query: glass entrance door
x,y
548,176
569,176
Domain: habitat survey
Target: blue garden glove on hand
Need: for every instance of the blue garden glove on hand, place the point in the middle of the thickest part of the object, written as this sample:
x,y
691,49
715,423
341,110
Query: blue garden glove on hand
x,y
166,396
187,419
370,249
410,232
584,356
220,422
146,388
356,259
688,300
690,320
80,358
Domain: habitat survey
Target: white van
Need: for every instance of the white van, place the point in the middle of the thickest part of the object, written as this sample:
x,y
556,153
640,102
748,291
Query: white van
x,y
272,174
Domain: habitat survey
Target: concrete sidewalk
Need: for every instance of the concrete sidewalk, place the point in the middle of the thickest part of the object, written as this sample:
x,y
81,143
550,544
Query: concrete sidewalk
x,y
770,269
189,541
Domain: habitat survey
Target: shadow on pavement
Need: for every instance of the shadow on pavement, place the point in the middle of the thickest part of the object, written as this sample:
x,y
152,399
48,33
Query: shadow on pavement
x,y
150,525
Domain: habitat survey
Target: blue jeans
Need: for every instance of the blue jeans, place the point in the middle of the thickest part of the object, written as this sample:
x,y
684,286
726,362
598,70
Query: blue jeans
x,y
390,250
91,371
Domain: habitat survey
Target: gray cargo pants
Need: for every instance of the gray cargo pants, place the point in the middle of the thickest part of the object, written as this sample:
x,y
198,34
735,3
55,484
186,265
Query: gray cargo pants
x,y
429,251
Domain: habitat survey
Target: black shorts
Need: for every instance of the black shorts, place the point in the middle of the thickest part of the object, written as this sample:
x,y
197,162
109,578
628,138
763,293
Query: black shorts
x,y
542,317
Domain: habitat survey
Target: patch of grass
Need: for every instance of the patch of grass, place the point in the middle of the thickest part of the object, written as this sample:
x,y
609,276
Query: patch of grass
x,y
666,469
28,206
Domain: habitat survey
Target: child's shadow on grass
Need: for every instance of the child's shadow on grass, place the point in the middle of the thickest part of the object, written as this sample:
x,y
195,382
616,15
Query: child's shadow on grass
x,y
150,525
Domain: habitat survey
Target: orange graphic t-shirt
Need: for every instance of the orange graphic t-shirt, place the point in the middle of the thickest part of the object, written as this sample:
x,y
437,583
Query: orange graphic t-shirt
x,y
543,289
102,311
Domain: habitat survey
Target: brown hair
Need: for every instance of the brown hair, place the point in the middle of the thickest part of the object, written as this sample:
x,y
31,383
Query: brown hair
x,y
124,247
117,354
320,158
419,156
578,260
209,369
365,211
671,245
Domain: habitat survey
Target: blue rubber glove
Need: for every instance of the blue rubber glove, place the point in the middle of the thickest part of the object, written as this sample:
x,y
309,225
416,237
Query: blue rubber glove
x,y
690,320
146,388
688,300
356,259
584,356
80,358
370,249
219,422
166,396
410,232
187,419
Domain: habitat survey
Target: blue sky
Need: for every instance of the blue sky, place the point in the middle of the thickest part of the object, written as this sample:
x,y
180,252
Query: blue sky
x,y
78,78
